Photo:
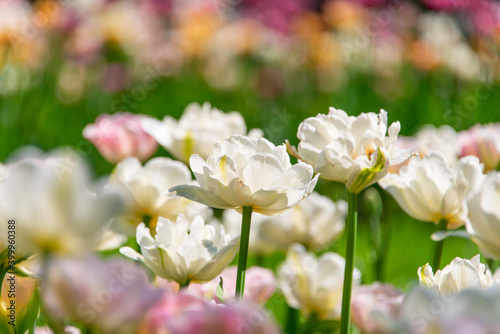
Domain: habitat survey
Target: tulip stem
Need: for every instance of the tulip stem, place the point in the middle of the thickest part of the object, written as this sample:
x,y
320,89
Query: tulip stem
x,y
185,285
438,251
352,221
243,255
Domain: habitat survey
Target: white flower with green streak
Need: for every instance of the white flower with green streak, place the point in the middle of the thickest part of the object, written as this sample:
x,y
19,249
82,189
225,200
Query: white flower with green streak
x,y
196,132
348,149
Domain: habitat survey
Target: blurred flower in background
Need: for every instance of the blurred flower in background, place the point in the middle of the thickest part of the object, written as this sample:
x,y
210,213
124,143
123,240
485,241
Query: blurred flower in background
x,y
315,222
376,307
56,206
198,130
260,285
145,189
483,221
314,285
112,295
483,141
119,136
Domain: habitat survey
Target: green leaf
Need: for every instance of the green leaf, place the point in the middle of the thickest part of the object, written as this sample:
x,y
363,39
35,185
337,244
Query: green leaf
x,y
4,325
28,314
219,291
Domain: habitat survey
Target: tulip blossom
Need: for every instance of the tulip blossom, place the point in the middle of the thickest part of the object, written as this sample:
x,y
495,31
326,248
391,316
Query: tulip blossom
x,y
111,294
483,223
429,190
315,222
376,307
471,311
197,131
248,172
54,205
184,250
348,149
483,142
119,136
260,285
145,189
185,313
313,285
460,274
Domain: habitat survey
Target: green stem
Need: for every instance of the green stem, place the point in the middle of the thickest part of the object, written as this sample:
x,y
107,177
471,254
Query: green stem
x,y
242,258
352,221
292,321
491,264
438,251
185,285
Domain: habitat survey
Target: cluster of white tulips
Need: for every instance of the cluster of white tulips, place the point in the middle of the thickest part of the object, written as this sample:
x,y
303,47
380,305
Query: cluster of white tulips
x,y
166,254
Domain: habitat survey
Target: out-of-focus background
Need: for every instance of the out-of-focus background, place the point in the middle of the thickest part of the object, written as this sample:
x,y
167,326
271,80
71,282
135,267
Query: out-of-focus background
x,y
62,63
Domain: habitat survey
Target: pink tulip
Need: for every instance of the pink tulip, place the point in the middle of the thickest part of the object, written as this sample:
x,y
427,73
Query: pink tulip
x,y
483,141
375,306
113,294
260,285
185,313
119,136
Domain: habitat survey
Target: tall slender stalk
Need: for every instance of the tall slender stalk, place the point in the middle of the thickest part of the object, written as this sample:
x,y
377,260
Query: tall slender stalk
x,y
242,257
352,221
438,251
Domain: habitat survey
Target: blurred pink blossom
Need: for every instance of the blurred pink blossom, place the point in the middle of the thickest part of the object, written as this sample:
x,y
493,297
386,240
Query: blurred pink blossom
x,y
275,14
119,136
375,307
185,313
483,141
260,284
113,294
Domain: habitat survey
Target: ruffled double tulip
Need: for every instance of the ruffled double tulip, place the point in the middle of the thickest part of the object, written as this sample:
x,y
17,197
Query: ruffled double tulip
x,y
112,295
429,190
248,172
119,136
483,223
315,222
183,250
145,189
483,141
197,131
313,285
459,275
348,149
54,205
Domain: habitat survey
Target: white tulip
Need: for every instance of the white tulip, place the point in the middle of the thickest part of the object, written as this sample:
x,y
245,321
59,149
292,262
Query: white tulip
x,y
314,285
196,132
184,250
145,189
459,275
315,223
483,223
54,205
348,149
249,172
429,190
